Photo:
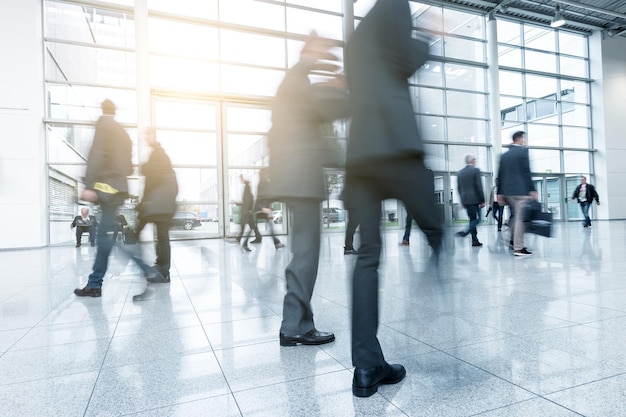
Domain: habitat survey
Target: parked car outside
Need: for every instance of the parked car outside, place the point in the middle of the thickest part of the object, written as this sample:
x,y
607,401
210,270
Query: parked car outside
x,y
278,216
187,220
333,215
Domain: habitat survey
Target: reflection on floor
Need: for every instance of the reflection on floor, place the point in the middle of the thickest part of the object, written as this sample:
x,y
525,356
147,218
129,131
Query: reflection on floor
x,y
489,335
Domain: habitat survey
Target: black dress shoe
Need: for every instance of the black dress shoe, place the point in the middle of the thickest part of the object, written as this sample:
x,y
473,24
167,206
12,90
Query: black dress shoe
x,y
246,248
88,292
461,234
366,381
279,245
312,337
78,245
158,278
477,243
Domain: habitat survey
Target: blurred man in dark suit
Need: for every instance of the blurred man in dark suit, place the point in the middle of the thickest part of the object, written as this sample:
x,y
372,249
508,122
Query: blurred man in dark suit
x,y
470,188
385,160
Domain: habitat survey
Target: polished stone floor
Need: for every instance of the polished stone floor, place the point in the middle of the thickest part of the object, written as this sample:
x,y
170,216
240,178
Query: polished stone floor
x,y
486,334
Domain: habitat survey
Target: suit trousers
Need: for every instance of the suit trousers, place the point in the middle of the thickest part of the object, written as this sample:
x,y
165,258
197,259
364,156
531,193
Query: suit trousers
x,y
517,203
301,273
408,180
350,231
162,248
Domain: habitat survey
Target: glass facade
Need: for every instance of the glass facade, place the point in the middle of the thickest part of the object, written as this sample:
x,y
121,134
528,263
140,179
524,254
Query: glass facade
x,y
214,66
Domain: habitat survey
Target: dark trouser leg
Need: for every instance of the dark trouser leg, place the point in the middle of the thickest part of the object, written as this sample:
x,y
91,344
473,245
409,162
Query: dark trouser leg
x,y
162,247
473,212
301,273
500,210
104,247
249,222
79,234
350,230
584,206
92,235
407,227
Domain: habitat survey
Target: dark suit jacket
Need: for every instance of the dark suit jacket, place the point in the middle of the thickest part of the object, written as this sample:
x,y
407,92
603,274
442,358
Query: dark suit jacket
x,y
78,221
514,173
381,55
297,150
590,194
470,186
161,189
109,159
247,201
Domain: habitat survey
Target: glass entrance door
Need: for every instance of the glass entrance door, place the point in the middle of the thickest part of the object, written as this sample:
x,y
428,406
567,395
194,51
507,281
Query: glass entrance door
x,y
573,209
550,195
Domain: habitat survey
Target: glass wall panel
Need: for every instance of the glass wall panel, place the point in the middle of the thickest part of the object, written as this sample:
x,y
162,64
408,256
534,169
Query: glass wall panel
x,y
431,127
540,61
245,150
427,100
248,13
542,135
464,49
576,115
509,56
467,130
463,24
304,21
572,44
545,161
196,185
185,114
183,39
576,137
246,48
81,103
457,157
575,162
248,119
573,66
89,65
575,91
509,32
465,77
329,5
69,143
510,83
190,75
431,74
466,104
435,157
195,221
189,148
539,38
540,87
544,111
204,9
512,109
250,81
78,23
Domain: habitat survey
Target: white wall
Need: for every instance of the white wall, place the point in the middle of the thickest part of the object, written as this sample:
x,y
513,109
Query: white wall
x,y
23,210
608,69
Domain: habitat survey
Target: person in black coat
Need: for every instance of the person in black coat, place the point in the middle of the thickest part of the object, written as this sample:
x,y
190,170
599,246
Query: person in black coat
x,y
262,206
385,159
85,223
470,188
298,154
158,204
585,194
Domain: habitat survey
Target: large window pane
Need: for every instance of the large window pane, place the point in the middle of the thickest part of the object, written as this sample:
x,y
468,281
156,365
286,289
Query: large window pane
x,y
189,148
540,87
253,13
183,39
303,21
539,38
572,44
89,25
464,49
510,83
463,24
466,104
465,77
457,157
545,161
329,5
427,100
576,162
541,135
250,81
190,75
435,157
509,56
246,48
245,150
185,114
248,119
196,184
430,75
204,9
573,66
69,143
467,130
431,127
577,115
540,61
576,137
509,32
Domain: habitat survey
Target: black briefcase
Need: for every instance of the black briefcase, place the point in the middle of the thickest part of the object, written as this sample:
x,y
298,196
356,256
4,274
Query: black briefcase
x,y
537,221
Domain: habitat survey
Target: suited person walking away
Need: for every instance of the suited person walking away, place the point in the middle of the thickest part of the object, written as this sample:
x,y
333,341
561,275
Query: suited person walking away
x,y
85,223
585,194
385,159
297,155
516,188
158,204
108,165
263,204
470,188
